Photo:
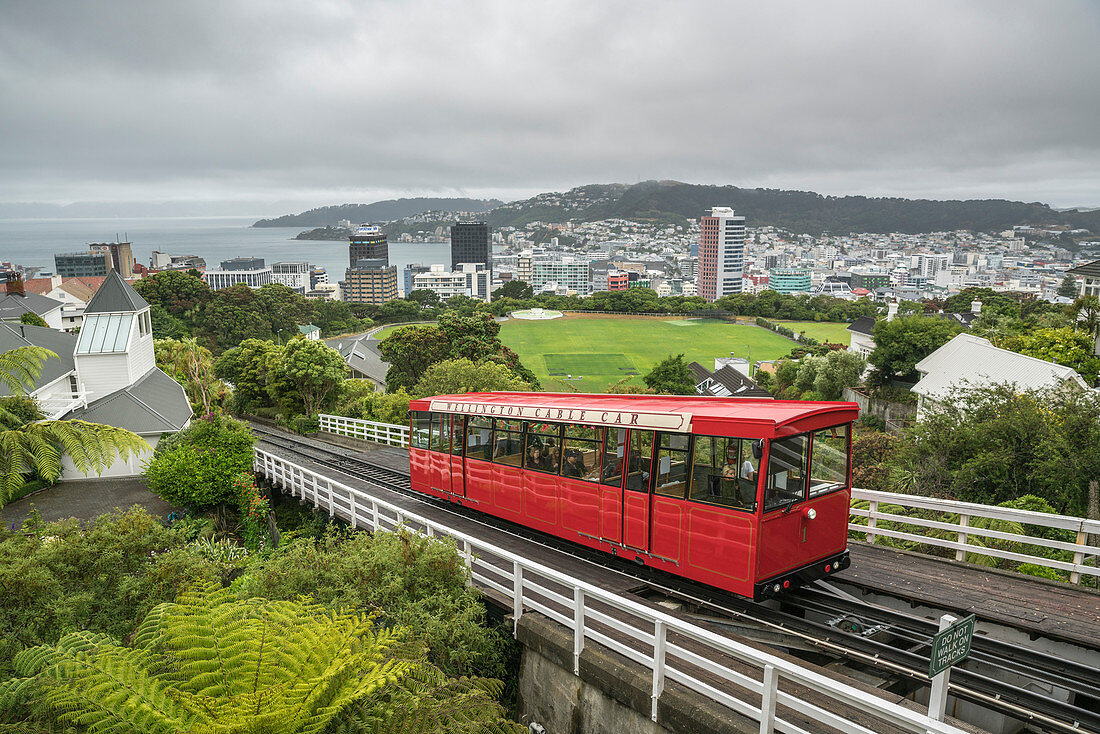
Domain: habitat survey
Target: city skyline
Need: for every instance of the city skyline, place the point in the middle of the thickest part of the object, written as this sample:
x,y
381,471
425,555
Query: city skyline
x,y
359,102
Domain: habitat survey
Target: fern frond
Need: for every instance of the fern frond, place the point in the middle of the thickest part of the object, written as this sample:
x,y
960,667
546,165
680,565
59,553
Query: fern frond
x,y
21,367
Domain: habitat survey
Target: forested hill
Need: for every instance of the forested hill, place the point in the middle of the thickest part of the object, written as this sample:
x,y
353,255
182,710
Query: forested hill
x,y
379,211
796,211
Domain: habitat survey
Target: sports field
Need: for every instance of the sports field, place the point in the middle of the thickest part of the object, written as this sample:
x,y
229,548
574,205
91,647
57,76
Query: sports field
x,y
591,352
823,331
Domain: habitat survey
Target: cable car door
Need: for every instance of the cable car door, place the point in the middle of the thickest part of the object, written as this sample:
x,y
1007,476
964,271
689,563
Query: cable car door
x,y
457,470
441,452
611,485
636,494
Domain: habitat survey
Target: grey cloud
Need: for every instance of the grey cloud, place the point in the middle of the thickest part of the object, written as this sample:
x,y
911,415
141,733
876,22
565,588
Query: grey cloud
x,y
340,99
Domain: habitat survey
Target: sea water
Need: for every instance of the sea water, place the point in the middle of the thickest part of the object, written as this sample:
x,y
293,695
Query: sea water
x,y
34,242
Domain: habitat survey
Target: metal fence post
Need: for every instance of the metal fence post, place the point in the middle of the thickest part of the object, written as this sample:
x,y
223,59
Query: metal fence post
x,y
768,698
659,633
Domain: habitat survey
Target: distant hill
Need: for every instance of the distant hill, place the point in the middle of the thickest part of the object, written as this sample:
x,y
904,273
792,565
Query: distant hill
x,y
796,211
379,211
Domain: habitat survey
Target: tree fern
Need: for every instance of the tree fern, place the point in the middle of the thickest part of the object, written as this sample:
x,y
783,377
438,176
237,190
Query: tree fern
x,y
39,446
21,367
213,662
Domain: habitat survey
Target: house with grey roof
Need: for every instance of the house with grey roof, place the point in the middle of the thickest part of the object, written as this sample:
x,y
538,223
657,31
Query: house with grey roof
x,y
363,359
725,382
969,362
16,301
107,374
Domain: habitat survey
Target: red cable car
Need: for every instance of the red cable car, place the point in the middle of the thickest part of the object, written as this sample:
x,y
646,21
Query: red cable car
x,y
747,495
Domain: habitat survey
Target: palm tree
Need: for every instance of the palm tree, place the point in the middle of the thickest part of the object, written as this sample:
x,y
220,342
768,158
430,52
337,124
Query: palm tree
x,y
39,445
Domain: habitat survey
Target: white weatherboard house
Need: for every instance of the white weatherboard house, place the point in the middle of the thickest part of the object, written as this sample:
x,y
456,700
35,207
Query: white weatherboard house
x,y
969,361
107,373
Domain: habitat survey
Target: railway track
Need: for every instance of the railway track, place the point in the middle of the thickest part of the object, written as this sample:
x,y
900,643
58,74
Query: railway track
x,y
868,636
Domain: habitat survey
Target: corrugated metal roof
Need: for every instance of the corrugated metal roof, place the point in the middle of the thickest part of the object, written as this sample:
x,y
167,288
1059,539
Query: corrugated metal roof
x,y
154,404
12,305
1090,270
970,361
115,296
59,342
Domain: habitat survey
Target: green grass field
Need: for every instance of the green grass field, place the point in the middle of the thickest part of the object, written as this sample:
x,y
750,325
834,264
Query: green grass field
x,y
823,331
601,350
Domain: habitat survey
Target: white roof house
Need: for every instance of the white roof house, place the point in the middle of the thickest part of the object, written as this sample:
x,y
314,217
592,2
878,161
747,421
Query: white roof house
x,y
968,361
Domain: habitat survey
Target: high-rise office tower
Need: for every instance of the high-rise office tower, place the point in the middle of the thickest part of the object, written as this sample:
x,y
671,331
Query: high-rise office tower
x,y
721,253
370,277
367,243
470,243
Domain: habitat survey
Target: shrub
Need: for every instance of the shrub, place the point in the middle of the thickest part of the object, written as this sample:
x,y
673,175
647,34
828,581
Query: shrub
x,y
196,467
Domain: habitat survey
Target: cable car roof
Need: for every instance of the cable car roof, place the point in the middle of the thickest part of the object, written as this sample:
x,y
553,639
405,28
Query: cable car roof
x,y
658,412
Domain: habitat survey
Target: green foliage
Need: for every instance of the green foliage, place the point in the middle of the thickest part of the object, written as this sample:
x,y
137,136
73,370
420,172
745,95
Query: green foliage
x,y
309,376
514,289
359,400
214,662
837,370
412,349
39,447
1068,287
671,376
179,293
454,376
871,453
191,365
252,369
234,314
21,367
30,318
996,444
1066,346
102,577
253,509
992,302
410,581
17,411
906,340
196,467
165,325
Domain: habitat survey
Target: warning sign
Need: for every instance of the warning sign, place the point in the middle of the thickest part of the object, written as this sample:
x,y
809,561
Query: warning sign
x,y
951,646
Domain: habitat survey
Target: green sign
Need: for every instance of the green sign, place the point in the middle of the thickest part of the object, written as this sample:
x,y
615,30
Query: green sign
x,y
951,646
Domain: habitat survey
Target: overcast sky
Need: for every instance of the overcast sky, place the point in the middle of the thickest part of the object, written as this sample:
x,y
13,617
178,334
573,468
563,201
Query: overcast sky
x,y
330,101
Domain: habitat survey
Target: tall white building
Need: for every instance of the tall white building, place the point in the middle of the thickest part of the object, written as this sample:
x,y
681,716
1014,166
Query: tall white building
x,y
292,274
721,253
218,279
573,274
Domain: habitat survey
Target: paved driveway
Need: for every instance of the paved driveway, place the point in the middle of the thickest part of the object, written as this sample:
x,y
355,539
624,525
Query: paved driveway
x,y
85,499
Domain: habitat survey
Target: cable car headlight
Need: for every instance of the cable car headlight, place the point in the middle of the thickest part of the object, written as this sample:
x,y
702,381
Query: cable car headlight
x,y
811,513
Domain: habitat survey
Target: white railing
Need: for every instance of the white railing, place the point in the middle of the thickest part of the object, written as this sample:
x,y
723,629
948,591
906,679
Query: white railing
x,y
670,648
57,407
956,517
957,520
387,433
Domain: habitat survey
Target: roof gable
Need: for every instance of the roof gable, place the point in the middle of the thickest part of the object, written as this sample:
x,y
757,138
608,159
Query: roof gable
x,y
1090,270
863,325
60,343
115,296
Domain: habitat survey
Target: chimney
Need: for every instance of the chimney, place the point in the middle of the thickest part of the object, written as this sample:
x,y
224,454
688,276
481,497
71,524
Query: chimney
x,y
14,285
891,310
976,308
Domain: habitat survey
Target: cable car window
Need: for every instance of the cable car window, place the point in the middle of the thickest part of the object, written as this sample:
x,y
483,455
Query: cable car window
x,y
441,433
582,447
613,452
724,471
421,428
829,460
509,442
479,438
543,451
786,472
639,460
457,438
672,465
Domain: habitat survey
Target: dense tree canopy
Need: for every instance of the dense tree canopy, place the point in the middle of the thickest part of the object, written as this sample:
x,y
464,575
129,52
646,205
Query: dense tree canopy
x,y
671,376
1066,346
310,374
904,341
462,375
